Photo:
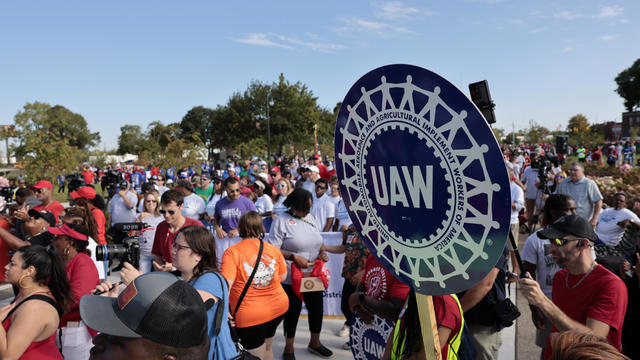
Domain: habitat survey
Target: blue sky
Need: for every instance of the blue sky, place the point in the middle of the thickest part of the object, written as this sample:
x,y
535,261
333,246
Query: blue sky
x,y
134,62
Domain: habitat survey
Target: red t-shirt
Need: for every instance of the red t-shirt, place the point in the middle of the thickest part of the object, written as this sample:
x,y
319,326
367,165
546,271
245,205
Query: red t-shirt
x,y
601,296
55,208
163,240
83,277
447,315
88,177
380,283
98,215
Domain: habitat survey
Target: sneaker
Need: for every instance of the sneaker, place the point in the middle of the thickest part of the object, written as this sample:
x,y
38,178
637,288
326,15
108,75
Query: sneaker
x,y
346,346
344,331
321,351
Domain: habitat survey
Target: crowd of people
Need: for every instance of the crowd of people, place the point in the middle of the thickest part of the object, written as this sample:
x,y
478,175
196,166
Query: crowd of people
x,y
277,215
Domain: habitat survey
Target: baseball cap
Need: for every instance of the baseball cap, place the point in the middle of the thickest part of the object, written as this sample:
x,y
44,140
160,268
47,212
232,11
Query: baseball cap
x,y
275,169
123,184
569,225
205,176
41,184
313,168
316,156
51,219
156,306
68,231
86,192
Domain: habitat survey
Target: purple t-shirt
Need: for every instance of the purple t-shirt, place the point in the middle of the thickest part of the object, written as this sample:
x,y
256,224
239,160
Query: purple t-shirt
x,y
228,213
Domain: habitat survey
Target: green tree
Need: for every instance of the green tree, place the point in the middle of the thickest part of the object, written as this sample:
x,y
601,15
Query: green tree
x,y
628,82
536,133
579,130
39,124
131,140
498,133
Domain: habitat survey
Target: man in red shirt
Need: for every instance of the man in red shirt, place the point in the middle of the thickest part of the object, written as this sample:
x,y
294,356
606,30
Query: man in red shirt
x,y
586,296
87,174
172,203
43,191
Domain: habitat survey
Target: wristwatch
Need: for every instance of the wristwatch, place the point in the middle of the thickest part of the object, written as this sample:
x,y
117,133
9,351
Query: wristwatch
x,y
292,256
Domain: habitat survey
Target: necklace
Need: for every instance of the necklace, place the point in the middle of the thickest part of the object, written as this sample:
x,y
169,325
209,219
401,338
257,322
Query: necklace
x,y
566,279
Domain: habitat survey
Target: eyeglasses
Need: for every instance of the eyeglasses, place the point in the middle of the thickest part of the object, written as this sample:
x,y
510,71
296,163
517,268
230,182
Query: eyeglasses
x,y
150,201
179,247
164,212
562,242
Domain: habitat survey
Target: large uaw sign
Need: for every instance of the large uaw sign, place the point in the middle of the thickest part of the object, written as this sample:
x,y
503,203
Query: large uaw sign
x,y
423,178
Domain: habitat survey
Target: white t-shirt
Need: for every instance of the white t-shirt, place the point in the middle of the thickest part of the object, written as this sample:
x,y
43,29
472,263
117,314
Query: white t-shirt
x,y
536,251
608,230
530,178
264,204
343,215
517,197
211,203
99,264
119,211
146,240
193,206
322,209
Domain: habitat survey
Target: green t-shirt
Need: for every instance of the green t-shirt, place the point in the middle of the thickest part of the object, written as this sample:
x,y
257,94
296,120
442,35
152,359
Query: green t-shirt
x,y
206,193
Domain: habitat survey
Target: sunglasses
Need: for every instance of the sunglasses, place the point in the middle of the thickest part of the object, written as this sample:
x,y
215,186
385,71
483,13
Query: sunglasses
x,y
163,212
281,186
233,191
321,187
150,201
562,242
39,191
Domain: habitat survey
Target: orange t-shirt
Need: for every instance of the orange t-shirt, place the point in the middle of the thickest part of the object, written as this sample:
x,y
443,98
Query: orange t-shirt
x,y
265,300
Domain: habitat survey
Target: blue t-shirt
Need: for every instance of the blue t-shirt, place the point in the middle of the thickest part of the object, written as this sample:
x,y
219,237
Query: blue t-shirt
x,y
224,348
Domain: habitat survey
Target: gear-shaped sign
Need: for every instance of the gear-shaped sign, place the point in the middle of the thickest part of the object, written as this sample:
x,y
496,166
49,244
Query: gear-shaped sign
x,y
423,178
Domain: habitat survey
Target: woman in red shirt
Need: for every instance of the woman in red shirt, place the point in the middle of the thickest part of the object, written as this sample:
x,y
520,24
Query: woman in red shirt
x,y
43,293
86,197
71,241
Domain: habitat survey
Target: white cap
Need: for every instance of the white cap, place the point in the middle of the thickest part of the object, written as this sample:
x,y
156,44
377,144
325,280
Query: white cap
x,y
313,168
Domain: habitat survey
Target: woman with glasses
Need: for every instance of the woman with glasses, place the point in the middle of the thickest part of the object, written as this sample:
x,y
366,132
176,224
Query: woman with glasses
x,y
194,255
152,217
284,187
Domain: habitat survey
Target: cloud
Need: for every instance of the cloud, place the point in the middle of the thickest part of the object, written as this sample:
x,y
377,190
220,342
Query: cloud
x,y
610,11
260,39
607,37
316,46
365,26
567,49
395,10
285,42
567,15
537,30
517,21
624,20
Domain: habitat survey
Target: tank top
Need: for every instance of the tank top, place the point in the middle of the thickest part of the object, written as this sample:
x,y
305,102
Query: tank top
x,y
45,349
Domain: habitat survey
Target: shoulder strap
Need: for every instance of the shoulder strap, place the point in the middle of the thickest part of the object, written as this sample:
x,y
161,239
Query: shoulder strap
x,y
250,279
41,297
220,308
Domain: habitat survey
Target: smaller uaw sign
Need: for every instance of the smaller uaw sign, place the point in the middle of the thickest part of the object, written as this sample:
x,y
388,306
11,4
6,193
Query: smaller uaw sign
x,y
423,178
369,340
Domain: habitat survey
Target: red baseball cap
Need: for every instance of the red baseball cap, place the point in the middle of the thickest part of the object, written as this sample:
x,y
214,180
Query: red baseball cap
x,y
86,192
275,169
41,184
68,231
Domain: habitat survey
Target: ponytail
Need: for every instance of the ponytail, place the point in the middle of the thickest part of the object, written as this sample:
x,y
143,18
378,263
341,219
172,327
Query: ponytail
x,y
50,271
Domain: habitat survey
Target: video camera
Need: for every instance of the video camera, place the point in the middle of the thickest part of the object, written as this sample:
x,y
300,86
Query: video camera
x,y
127,248
544,166
74,182
110,181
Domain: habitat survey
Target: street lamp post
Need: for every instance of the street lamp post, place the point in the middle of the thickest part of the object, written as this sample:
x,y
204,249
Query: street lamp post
x,y
269,103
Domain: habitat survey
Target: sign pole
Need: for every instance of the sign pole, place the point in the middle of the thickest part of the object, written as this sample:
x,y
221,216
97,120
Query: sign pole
x,y
429,327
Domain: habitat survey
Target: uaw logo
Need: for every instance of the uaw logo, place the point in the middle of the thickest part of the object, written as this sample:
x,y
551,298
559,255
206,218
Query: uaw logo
x,y
423,178
369,340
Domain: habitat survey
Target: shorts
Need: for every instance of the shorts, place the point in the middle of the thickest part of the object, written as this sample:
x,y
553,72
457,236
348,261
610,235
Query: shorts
x,y
253,337
515,231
